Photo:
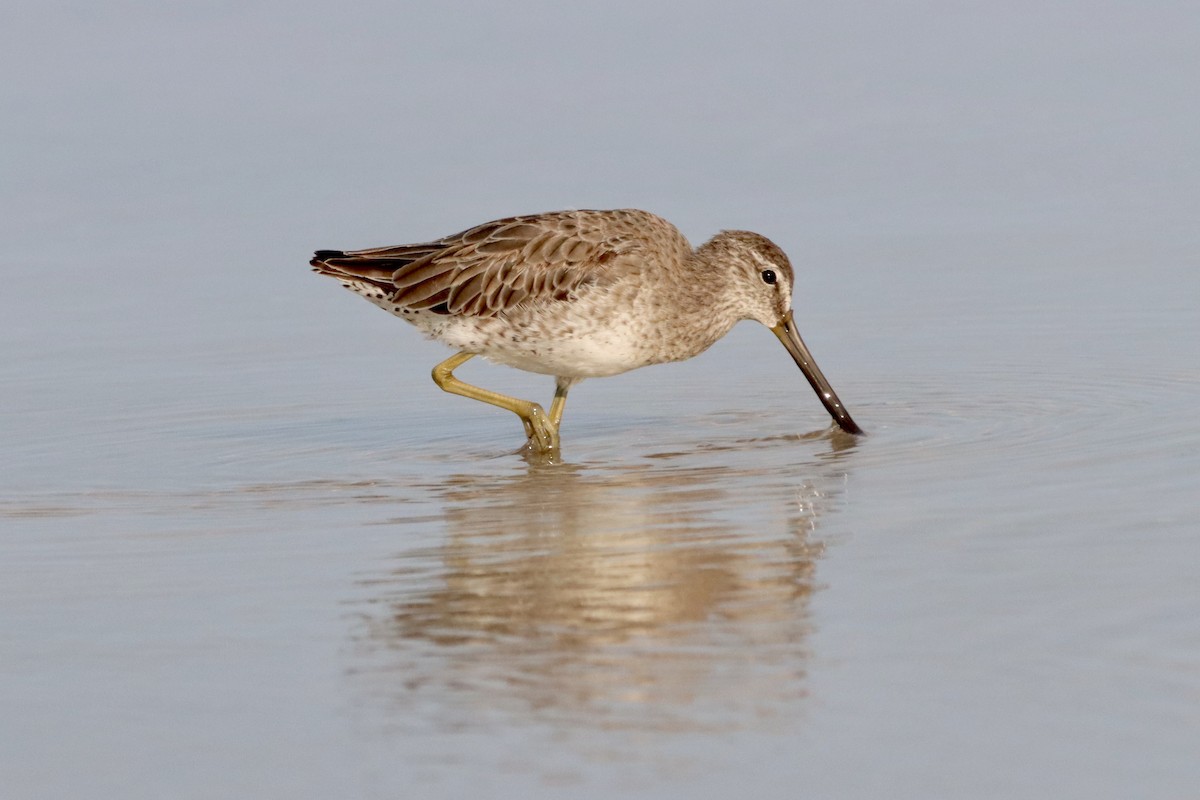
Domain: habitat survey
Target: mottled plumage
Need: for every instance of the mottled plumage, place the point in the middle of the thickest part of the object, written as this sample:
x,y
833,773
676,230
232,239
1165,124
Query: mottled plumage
x,y
577,294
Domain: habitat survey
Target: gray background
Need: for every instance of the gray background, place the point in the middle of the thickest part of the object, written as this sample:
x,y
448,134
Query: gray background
x,y
243,534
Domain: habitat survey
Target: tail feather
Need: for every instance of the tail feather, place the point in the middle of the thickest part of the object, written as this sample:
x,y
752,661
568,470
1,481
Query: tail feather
x,y
370,272
353,270
375,266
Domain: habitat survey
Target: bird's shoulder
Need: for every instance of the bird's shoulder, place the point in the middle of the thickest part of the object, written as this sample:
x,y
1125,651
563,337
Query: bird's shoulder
x,y
532,259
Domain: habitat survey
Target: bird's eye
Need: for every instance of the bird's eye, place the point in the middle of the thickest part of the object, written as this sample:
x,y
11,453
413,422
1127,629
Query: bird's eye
x,y
768,276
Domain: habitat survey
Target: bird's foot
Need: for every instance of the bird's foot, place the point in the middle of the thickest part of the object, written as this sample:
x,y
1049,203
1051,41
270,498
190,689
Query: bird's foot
x,y
542,433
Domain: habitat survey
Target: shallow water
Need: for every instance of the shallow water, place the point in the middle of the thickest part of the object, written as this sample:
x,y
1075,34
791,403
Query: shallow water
x,y
370,591
249,549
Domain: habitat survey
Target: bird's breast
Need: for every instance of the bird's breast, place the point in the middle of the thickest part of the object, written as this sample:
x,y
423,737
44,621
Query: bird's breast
x,y
593,335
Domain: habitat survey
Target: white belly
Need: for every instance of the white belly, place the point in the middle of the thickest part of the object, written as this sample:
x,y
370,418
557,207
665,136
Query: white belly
x,y
600,338
580,351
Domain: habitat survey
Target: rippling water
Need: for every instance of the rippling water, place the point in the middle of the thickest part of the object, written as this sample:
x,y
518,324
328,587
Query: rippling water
x,y
703,595
247,549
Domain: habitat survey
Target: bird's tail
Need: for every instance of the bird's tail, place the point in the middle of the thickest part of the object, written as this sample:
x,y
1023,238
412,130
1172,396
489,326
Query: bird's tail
x,y
352,269
375,266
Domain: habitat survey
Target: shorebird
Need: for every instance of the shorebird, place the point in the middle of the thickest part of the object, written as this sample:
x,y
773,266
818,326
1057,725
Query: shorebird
x,y
579,294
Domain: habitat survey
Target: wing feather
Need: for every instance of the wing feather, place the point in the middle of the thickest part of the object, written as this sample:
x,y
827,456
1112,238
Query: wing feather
x,y
499,266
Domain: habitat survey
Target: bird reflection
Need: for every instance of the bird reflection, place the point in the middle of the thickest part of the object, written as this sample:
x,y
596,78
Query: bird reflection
x,y
618,596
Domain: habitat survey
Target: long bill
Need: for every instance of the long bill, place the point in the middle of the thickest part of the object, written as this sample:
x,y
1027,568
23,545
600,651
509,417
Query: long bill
x,y
786,331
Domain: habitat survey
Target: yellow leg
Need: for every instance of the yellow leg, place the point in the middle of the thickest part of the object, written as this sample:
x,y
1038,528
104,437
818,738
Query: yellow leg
x,y
561,387
542,433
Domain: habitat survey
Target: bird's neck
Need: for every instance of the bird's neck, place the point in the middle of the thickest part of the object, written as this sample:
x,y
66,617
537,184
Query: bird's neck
x,y
711,288
701,306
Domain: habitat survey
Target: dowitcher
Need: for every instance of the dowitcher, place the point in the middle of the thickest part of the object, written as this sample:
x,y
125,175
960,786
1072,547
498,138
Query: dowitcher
x,y
579,294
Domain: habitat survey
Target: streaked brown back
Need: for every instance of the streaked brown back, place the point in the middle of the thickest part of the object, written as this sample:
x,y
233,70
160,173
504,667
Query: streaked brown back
x,y
500,265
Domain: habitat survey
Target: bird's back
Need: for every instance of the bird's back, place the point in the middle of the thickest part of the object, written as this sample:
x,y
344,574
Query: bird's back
x,y
519,262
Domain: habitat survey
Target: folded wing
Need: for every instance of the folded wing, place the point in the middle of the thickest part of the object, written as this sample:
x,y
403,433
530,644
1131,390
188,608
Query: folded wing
x,y
498,266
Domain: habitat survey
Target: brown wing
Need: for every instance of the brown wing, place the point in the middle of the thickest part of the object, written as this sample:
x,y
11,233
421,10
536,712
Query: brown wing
x,y
503,264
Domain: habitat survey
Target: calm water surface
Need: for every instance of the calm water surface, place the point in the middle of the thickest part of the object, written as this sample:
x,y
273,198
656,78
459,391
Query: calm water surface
x,y
367,592
247,549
